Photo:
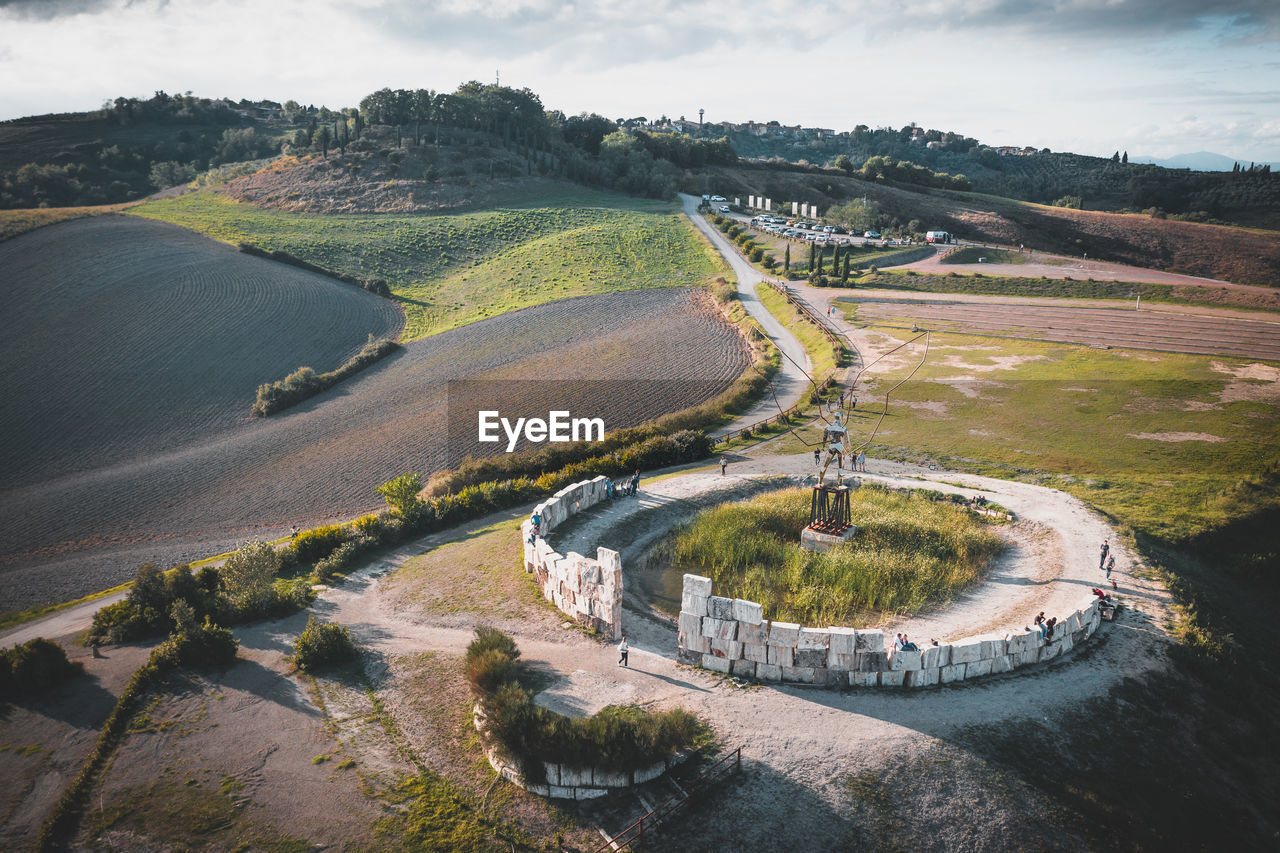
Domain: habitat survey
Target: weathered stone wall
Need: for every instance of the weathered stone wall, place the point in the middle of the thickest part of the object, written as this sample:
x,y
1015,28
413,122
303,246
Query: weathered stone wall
x,y
588,591
731,636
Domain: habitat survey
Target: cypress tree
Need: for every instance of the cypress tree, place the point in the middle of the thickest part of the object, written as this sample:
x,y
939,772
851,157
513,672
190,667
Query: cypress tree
x,y
786,261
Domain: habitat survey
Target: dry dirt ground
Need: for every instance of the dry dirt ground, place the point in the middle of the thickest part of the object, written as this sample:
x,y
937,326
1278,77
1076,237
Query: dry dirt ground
x,y
323,459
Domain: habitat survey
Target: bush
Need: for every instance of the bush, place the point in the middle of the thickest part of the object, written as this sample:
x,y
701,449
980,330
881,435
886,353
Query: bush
x,y
249,574
35,665
617,738
322,645
305,382
202,647
340,560
319,542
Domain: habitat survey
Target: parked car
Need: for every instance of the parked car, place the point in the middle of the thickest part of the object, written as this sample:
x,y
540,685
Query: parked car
x,y
871,235
724,208
718,198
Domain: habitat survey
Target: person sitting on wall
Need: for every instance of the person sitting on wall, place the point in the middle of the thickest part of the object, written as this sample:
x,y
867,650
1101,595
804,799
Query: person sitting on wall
x,y
908,646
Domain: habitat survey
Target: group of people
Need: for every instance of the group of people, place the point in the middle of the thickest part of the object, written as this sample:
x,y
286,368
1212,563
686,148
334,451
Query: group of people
x,y
859,461
1107,561
626,488
1045,626
902,644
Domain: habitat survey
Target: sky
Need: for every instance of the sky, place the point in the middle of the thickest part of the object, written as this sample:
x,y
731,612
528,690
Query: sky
x,y
1151,77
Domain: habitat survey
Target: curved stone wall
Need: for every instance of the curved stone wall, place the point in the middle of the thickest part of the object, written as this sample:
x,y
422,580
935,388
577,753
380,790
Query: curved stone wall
x,y
586,590
731,636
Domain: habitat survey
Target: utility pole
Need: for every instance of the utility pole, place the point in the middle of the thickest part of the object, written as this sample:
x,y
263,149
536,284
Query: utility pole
x,y
700,112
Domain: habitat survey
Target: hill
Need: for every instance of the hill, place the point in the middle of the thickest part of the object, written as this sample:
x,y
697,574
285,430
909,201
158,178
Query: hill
x,y
1234,254
127,338
324,459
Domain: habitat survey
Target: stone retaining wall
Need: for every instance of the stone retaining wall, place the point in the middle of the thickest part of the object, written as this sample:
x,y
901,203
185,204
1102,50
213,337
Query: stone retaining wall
x,y
574,783
588,591
730,635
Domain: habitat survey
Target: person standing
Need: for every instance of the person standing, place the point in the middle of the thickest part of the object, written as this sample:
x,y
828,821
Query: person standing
x,y
622,652
1102,553
724,463
817,456
1111,564
862,461
634,485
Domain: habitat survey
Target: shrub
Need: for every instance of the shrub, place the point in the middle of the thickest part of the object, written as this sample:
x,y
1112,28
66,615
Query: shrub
x,y
37,664
305,382
401,494
319,542
322,645
249,574
202,647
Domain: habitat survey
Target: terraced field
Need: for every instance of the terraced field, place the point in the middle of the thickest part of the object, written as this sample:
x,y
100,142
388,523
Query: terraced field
x,y
66,535
124,338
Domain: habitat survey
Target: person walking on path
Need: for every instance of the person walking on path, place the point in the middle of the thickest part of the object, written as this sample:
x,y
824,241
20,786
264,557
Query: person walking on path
x,y
724,463
634,484
1111,564
622,652
862,461
817,456
1102,552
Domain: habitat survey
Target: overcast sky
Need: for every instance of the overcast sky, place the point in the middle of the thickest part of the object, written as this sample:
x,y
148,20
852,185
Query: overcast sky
x,y
1154,77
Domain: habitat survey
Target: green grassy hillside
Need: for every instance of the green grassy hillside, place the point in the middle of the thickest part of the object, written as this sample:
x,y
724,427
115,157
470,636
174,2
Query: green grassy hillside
x,y
449,270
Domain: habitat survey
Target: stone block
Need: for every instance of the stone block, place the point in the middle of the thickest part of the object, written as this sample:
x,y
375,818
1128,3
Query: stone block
x,y
884,679
797,674
715,664
768,672
689,623
783,634
951,672
758,633
813,638
553,772
589,571
589,793
696,643
900,661
695,604
933,657
731,649
697,585
743,668
869,641
1067,643
719,607
604,779
574,776
747,611
1029,657
1036,641
648,774
688,657
992,646
842,662
781,655
529,556
842,640
1003,663
757,652
560,792
863,679
919,677
1050,651
979,668
811,658
964,651
719,629
873,661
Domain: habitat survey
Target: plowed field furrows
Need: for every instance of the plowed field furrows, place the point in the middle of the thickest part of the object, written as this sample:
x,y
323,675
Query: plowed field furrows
x,y
125,337
1166,331
323,460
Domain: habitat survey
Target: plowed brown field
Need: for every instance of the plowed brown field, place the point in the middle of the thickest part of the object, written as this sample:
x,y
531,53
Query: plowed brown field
x,y
66,535
124,337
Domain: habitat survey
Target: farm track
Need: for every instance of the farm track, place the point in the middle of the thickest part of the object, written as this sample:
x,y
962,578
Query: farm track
x,y
1150,329
74,533
126,337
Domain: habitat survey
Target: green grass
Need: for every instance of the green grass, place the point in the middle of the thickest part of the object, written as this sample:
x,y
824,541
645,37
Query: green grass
x,y
821,354
1070,416
972,254
450,270
15,222
910,553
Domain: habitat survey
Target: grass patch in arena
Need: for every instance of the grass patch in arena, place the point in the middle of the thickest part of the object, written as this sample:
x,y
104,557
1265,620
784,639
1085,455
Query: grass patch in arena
x,y
450,270
910,553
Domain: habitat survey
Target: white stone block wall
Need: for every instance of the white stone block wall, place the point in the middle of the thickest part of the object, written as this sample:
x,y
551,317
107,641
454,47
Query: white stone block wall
x,y
587,590
731,636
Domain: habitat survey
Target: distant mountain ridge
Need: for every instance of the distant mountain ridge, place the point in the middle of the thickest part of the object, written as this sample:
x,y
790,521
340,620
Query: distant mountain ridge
x,y
1200,161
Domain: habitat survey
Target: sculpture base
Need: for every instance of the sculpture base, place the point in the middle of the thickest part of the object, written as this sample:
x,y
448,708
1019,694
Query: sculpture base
x,y
812,540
